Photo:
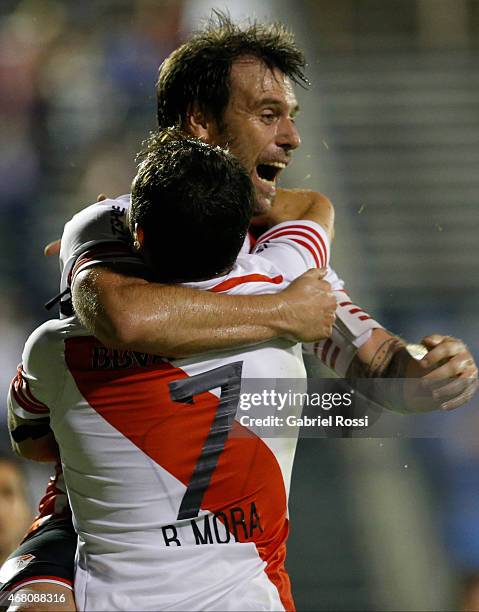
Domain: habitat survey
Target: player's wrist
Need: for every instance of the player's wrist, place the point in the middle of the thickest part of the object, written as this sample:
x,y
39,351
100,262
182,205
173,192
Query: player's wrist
x,y
403,391
282,321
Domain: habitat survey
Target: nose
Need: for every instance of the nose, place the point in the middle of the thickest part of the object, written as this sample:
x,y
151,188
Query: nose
x,y
288,135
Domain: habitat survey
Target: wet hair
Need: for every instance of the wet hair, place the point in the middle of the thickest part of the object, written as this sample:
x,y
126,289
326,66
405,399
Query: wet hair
x,y
198,72
194,203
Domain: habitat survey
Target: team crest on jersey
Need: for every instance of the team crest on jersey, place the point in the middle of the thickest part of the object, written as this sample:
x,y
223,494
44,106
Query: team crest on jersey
x,y
13,566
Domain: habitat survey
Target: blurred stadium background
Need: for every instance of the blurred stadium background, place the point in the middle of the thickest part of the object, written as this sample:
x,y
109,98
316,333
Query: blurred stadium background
x,y
390,133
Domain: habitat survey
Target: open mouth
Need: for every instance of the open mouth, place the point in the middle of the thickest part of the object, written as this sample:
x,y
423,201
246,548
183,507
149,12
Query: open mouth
x,y
268,172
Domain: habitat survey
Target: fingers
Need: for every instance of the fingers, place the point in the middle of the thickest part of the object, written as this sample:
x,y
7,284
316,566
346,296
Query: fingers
x,y
327,323
313,273
455,392
313,305
462,399
314,278
454,387
453,379
433,340
453,367
52,248
446,348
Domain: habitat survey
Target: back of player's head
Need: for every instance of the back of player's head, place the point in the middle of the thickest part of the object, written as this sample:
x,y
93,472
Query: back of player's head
x,y
198,72
191,206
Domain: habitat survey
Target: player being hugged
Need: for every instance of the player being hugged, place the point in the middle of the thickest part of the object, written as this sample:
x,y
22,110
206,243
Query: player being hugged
x,y
162,479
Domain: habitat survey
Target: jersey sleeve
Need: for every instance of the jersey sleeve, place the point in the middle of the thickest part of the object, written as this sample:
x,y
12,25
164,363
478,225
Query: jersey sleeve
x,y
352,328
295,247
337,284
96,235
39,382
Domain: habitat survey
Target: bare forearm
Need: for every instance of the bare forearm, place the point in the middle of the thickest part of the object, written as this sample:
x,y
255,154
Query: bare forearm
x,y
170,320
385,356
130,313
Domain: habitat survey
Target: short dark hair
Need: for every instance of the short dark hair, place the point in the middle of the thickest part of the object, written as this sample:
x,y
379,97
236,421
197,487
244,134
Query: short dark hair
x,y
198,72
194,203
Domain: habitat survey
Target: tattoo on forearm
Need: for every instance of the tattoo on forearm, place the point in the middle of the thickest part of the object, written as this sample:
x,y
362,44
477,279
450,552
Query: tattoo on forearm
x,y
389,361
398,363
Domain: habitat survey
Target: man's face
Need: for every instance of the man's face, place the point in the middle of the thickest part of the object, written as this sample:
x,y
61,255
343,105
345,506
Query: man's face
x,y
15,514
258,125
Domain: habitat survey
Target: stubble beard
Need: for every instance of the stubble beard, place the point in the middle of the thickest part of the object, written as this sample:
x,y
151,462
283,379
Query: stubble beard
x,y
230,143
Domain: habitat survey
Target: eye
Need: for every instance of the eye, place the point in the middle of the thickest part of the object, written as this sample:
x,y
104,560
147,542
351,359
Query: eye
x,y
268,117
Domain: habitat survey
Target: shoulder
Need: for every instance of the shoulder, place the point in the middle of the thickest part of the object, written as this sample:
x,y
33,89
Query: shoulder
x,y
96,235
105,220
295,246
45,345
120,204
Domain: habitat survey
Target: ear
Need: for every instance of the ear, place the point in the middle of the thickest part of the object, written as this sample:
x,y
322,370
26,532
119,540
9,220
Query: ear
x,y
138,238
199,125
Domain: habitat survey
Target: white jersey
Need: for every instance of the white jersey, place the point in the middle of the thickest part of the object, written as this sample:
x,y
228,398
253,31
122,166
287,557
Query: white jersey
x,y
178,506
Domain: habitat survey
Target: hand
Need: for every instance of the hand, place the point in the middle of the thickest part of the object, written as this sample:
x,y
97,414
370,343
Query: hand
x,y
445,378
453,374
53,248
309,307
